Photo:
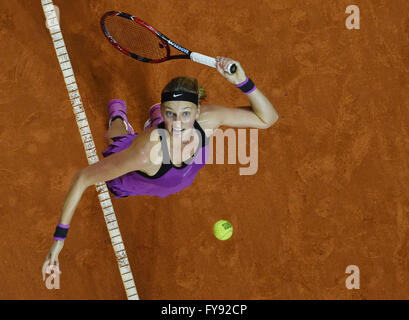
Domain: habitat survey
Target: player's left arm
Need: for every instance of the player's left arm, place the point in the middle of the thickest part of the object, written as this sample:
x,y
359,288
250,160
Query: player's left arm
x,y
261,114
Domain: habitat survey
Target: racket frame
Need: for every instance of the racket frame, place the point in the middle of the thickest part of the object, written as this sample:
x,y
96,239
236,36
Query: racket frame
x,y
195,56
164,40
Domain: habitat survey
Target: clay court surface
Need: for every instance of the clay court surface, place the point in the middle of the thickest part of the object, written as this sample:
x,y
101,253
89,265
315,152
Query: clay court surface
x,y
332,183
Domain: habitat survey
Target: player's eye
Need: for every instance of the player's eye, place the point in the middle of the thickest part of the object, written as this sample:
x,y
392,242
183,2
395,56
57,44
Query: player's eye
x,y
169,114
186,113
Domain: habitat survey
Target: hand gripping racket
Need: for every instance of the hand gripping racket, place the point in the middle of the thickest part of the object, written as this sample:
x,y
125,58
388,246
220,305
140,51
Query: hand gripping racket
x,y
139,40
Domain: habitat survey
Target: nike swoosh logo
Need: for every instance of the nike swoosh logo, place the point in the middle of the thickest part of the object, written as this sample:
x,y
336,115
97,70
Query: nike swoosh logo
x,y
176,95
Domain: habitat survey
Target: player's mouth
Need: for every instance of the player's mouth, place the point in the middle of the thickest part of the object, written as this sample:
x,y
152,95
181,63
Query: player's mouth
x,y
180,130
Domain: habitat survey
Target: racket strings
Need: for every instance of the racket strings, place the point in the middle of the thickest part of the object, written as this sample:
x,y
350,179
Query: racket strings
x,y
135,38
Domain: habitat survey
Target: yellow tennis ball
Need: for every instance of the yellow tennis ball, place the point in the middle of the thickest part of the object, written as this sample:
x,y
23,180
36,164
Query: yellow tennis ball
x,y
223,230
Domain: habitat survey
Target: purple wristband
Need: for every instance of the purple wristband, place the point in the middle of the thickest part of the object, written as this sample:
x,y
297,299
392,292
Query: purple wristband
x,y
248,92
243,83
246,86
61,232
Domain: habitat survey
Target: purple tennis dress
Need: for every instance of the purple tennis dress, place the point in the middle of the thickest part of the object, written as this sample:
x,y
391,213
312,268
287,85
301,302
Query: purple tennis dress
x,y
168,180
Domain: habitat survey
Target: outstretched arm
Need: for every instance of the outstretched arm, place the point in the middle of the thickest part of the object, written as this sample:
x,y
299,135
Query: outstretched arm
x,y
131,159
104,170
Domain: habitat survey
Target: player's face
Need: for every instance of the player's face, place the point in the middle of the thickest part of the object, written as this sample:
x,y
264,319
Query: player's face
x,y
179,117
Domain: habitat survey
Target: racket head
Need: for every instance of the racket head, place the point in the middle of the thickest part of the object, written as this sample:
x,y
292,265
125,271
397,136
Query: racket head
x,y
134,37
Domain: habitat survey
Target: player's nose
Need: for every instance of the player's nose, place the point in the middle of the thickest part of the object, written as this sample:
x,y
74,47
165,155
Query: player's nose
x,y
177,123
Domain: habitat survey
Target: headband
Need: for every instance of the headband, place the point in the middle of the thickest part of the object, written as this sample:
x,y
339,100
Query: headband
x,y
180,96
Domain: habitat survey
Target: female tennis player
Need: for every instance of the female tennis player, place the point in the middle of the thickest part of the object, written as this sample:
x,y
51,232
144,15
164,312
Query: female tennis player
x,y
147,163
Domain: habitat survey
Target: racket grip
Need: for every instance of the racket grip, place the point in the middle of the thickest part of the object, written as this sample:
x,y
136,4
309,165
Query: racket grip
x,y
209,61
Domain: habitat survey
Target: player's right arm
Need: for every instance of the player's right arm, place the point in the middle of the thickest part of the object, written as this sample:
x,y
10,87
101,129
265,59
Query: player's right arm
x,y
135,157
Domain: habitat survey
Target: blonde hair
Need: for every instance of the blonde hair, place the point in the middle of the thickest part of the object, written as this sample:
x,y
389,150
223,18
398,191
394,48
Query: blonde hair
x,y
186,84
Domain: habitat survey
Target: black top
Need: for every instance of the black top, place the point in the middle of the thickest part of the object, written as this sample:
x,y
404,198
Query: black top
x,y
167,162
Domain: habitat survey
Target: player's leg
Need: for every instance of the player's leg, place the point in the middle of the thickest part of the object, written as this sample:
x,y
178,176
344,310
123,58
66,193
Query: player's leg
x,y
117,128
118,121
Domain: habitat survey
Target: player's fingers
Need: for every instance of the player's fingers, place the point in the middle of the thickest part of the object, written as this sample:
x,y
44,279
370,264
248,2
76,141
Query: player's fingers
x,y
223,65
58,264
227,63
219,68
221,60
55,264
45,265
57,267
220,64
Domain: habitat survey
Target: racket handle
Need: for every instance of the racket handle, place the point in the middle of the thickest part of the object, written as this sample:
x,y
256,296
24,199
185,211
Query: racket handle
x,y
211,62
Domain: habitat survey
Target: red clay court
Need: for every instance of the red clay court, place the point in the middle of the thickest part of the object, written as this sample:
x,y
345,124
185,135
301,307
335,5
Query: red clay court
x,y
331,186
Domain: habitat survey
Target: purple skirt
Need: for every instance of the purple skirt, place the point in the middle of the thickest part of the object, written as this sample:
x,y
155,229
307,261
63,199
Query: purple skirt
x,y
119,143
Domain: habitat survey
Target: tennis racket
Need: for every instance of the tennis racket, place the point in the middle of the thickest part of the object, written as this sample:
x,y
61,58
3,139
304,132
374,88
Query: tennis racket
x,y
139,40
